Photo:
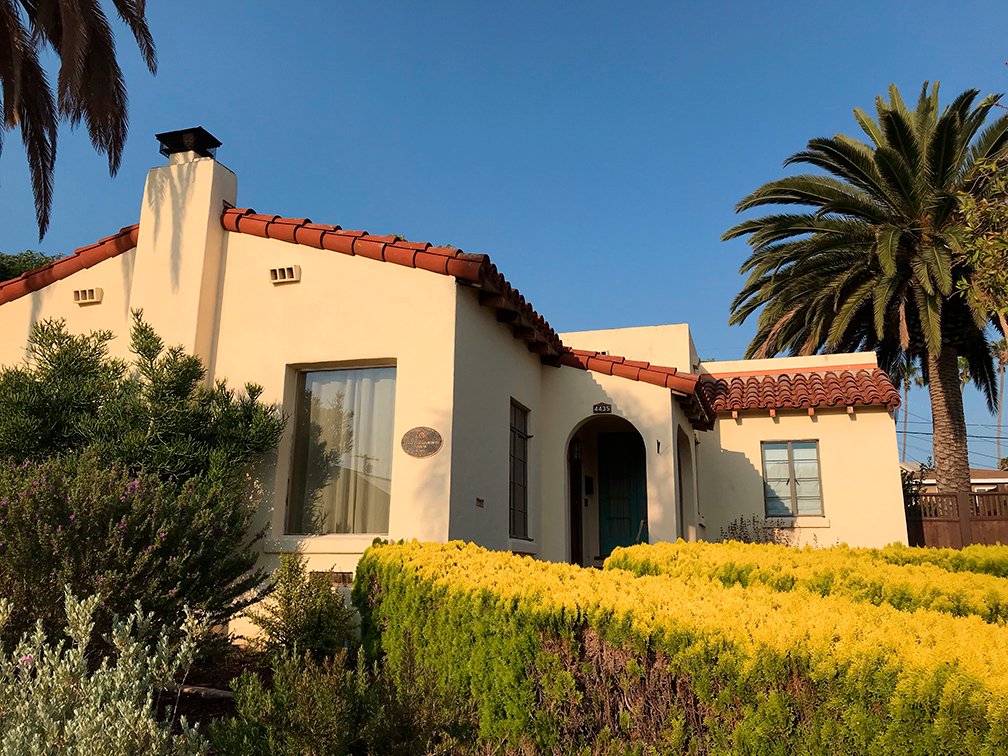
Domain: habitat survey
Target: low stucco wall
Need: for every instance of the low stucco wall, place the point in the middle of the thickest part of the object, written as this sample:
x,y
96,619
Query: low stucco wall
x,y
859,465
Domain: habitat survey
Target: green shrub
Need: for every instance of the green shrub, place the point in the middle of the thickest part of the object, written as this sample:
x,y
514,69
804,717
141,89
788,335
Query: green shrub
x,y
303,613
557,658
312,707
133,480
13,265
328,708
129,536
155,414
54,699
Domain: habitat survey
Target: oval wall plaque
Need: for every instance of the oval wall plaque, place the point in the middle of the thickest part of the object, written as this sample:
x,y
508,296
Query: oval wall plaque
x,y
421,442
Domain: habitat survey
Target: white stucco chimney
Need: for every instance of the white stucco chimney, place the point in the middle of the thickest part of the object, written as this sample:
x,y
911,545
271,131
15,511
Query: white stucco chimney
x,y
180,250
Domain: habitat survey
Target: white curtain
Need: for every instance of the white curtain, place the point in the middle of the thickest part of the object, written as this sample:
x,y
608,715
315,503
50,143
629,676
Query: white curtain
x,y
342,479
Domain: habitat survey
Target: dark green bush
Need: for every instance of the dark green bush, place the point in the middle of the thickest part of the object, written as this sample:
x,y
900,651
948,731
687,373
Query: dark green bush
x,y
13,265
155,414
132,481
74,521
303,613
330,708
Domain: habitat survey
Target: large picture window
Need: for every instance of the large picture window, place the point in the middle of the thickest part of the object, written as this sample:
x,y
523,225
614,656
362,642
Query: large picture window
x,y
518,500
791,482
341,478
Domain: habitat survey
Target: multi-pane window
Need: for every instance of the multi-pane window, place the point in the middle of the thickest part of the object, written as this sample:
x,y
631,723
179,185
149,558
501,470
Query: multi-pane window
x,y
341,477
791,481
518,499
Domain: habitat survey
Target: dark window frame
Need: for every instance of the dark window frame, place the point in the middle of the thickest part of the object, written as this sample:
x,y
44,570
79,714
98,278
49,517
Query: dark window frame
x,y
792,479
518,471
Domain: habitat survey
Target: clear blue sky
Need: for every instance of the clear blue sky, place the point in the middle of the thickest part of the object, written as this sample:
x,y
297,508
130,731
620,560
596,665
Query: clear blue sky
x,y
595,151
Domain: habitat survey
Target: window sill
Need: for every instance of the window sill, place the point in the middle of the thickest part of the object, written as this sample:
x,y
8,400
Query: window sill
x,y
801,521
523,546
336,543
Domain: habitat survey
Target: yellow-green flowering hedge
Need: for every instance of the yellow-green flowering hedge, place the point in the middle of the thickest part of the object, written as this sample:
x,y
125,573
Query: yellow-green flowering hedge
x,y
856,573
523,645
989,560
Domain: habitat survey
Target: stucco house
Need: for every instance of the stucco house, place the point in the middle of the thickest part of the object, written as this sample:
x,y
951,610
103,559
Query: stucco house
x,y
428,399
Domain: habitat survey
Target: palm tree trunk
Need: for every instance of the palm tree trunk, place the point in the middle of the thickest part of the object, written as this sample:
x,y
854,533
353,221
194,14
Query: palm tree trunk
x,y
906,411
951,455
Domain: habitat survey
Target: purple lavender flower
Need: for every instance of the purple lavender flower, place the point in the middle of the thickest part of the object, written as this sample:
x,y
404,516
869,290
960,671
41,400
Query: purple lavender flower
x,y
73,517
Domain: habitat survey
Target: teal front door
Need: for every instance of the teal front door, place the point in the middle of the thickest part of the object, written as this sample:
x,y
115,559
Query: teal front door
x,y
622,491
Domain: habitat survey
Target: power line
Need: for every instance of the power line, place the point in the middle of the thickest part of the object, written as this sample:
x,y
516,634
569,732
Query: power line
x,y
931,433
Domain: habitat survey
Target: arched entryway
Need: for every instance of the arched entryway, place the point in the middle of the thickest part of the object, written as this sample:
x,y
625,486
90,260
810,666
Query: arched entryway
x,y
686,491
607,487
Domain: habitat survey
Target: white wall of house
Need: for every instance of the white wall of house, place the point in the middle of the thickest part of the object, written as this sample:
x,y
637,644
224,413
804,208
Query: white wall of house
x,y
457,370
568,398
491,369
113,276
345,312
862,496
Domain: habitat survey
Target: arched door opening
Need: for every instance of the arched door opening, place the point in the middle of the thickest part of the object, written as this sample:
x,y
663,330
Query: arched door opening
x,y
686,503
608,489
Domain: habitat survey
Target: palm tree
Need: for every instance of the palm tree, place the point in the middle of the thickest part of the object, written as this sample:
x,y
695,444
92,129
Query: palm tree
x,y
89,82
870,262
904,373
1000,350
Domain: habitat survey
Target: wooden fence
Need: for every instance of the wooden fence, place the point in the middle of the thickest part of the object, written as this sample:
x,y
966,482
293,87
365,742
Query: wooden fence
x,y
957,520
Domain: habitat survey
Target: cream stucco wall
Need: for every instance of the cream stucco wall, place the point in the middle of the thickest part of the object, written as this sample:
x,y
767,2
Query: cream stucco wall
x,y
345,312
457,370
858,457
568,397
859,465
113,276
666,345
491,369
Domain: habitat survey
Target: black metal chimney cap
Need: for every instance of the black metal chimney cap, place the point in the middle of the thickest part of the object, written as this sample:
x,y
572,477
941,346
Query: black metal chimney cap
x,y
197,140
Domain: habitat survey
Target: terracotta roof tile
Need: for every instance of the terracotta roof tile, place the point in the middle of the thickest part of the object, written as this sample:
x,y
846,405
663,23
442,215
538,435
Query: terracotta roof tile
x,y
808,388
83,257
695,403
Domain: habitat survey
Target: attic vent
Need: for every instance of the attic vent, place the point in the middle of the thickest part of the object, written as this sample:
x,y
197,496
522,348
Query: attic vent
x,y
290,274
88,296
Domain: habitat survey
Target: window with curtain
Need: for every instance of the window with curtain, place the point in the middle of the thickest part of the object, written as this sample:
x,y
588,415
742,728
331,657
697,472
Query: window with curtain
x,y
341,477
518,499
791,482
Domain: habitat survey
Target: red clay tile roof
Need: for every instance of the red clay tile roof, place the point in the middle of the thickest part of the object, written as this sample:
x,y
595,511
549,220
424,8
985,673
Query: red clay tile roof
x,y
684,385
803,389
700,396
82,258
472,270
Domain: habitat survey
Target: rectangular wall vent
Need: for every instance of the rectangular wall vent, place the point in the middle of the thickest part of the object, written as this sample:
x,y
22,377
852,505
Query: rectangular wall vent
x,y
88,296
289,274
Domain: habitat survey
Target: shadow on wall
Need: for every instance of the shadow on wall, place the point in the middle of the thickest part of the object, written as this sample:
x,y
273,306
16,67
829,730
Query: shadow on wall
x,y
731,487
171,185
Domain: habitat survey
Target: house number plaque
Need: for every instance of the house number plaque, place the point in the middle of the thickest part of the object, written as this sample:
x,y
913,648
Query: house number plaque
x,y
602,408
421,442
